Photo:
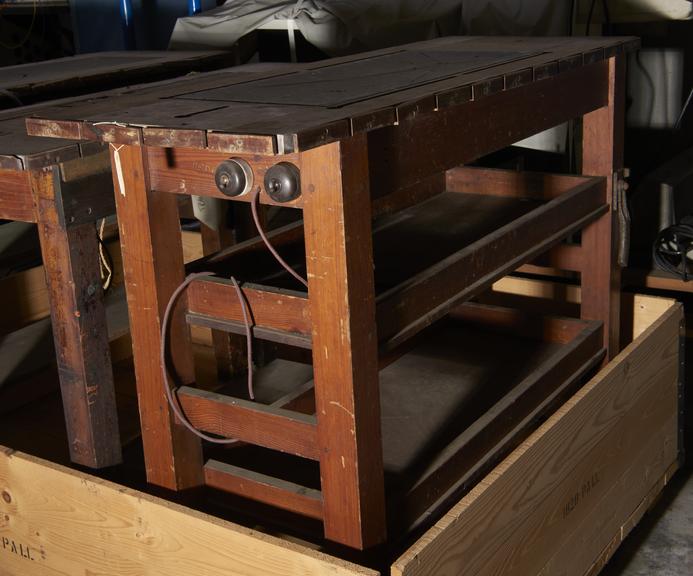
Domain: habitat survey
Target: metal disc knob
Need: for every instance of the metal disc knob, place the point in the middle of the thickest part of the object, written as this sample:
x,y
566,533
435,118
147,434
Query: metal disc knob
x,y
233,177
283,182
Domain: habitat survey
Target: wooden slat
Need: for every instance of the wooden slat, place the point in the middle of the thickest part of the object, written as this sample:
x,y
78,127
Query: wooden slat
x,y
190,171
509,183
301,341
415,304
618,430
267,426
521,323
265,489
73,522
17,200
345,357
269,307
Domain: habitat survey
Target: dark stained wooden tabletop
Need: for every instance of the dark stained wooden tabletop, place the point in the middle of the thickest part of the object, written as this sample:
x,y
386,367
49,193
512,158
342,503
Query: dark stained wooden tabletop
x,y
73,75
303,106
46,80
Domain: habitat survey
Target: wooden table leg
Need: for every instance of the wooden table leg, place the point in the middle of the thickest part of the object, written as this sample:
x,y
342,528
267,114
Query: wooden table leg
x,y
602,155
151,245
341,289
70,259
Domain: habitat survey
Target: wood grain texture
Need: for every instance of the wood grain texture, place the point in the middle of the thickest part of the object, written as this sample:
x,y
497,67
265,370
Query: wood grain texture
x,y
16,200
270,308
228,349
78,316
242,126
431,143
470,455
150,243
341,292
551,483
252,422
75,523
255,486
414,304
190,171
602,155
84,73
496,182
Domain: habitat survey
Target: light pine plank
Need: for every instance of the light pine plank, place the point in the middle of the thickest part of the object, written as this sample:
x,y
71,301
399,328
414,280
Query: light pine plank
x,y
72,523
518,508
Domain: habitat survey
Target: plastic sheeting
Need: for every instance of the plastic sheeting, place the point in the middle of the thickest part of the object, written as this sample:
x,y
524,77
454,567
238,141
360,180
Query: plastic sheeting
x,y
344,26
334,26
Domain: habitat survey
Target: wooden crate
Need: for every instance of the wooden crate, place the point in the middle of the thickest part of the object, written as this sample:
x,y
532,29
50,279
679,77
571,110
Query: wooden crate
x,y
561,503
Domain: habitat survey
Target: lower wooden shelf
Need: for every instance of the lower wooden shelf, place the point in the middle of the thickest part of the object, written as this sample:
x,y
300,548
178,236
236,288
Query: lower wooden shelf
x,y
454,401
558,503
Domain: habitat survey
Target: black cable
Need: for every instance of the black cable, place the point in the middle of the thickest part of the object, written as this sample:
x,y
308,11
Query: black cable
x,y
607,16
589,18
171,393
671,248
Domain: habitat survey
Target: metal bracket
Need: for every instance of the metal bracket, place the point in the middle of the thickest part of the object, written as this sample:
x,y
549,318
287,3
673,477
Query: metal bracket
x,y
620,206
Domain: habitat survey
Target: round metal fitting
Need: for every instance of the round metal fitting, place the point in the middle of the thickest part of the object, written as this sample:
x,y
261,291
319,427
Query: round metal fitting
x,y
233,177
283,182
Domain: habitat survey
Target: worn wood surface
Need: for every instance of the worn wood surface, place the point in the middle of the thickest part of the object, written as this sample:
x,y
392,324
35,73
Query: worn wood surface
x,y
345,356
417,301
267,426
289,126
69,522
150,242
270,308
70,259
256,486
602,155
620,430
74,75
59,513
17,200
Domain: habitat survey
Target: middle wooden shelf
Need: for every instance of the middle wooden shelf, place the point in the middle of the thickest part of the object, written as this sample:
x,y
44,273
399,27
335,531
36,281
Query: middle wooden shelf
x,y
428,257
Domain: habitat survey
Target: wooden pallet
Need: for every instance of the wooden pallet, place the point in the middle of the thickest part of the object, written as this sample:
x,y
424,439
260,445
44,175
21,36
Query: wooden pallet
x,y
560,503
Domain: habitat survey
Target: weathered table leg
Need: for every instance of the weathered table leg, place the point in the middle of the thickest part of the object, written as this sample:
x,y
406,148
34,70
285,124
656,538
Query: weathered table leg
x,y
602,155
70,259
153,265
341,290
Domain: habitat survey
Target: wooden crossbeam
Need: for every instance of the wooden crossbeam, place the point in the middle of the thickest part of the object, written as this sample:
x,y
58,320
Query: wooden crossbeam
x,y
263,488
251,422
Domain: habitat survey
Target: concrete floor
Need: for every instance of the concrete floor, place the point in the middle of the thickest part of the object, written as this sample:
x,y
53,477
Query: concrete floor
x,y
662,544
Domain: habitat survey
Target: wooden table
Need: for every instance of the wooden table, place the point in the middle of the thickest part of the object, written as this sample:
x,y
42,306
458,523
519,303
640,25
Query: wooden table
x,y
65,187
74,75
380,135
